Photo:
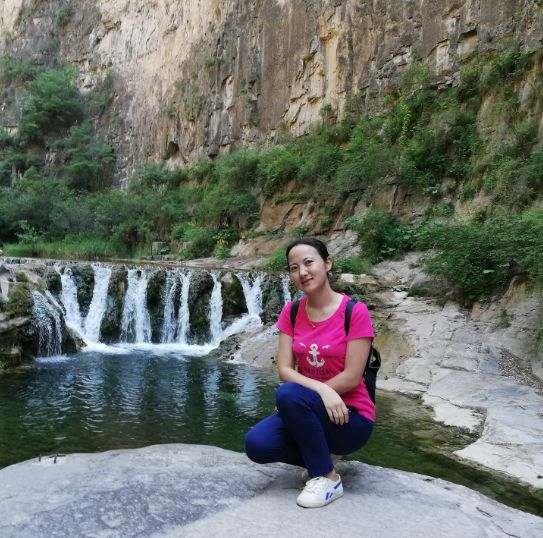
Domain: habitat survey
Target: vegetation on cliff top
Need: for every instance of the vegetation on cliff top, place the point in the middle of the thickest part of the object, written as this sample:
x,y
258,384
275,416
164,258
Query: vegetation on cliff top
x,y
470,147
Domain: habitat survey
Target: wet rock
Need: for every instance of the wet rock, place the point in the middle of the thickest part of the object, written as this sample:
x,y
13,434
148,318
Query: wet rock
x,y
201,286
110,329
156,287
272,298
233,297
83,277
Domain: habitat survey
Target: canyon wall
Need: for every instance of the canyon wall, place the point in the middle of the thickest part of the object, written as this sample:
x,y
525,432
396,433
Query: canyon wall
x,y
186,78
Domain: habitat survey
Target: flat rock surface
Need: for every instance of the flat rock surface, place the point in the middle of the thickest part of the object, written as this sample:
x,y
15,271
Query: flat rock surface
x,y
194,490
454,364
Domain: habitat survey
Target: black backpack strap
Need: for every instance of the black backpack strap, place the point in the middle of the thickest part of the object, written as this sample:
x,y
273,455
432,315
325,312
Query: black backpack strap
x,y
294,312
374,358
348,313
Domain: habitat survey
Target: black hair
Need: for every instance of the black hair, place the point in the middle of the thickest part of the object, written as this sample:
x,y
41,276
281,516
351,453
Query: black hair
x,y
317,244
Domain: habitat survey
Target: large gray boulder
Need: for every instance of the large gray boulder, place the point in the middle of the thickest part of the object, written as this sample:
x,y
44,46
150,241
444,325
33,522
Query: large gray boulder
x,y
189,490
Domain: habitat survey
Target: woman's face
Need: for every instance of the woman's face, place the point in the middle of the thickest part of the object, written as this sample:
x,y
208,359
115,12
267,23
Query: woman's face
x,y
308,271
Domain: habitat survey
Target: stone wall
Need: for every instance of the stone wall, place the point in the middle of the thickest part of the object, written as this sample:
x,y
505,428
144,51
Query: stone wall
x,y
191,77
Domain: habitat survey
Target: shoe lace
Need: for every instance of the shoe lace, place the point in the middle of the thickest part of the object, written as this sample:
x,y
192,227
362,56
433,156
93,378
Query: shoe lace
x,y
317,484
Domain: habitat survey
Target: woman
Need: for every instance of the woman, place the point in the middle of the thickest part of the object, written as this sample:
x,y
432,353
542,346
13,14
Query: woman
x,y
323,406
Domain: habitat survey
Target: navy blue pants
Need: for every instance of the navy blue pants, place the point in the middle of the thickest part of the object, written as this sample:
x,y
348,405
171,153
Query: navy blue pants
x,y
301,433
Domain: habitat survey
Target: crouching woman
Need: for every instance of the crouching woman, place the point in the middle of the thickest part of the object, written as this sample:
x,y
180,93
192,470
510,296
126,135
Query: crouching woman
x,y
323,406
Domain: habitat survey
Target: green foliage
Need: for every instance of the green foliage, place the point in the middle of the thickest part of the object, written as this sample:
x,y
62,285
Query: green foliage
x,y
221,252
211,61
28,235
381,235
355,265
319,156
276,261
64,14
86,164
50,103
277,166
202,242
72,247
505,64
480,258
99,99
367,158
14,71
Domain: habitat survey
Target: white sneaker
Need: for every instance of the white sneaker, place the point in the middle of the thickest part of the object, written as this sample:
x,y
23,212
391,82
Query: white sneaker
x,y
319,492
335,459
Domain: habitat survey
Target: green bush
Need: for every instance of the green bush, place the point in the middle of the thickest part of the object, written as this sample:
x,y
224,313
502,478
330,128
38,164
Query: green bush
x,y
51,103
481,258
381,235
277,166
14,70
237,170
202,242
354,265
276,261
367,158
86,164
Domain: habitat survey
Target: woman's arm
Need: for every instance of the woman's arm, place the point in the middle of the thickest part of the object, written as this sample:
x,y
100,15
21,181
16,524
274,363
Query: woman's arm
x,y
355,363
336,409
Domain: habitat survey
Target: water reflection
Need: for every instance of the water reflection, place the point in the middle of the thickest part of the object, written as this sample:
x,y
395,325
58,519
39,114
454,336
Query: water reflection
x,y
95,402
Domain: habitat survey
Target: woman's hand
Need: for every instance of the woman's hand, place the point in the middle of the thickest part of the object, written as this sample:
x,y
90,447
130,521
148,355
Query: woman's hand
x,y
335,407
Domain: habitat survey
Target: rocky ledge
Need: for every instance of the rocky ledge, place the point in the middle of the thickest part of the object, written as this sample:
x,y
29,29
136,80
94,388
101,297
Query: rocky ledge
x,y
190,490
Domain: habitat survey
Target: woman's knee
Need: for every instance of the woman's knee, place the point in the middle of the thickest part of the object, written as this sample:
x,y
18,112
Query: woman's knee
x,y
255,447
293,395
287,394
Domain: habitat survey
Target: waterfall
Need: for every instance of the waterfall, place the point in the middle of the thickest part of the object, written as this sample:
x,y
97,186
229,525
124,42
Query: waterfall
x,y
285,281
51,311
169,324
47,319
252,292
136,322
183,316
253,300
68,296
215,310
93,321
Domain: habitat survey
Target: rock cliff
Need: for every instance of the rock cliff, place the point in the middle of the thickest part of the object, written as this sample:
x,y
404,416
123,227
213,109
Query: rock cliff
x,y
186,78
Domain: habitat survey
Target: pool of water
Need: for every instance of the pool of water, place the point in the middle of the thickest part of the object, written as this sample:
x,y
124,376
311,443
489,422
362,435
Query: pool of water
x,y
92,402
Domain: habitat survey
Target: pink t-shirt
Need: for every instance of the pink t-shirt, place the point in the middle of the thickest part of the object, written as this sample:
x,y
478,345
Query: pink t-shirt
x,y
320,347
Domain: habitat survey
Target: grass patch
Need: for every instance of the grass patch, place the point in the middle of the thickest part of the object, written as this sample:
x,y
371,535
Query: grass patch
x,y
81,248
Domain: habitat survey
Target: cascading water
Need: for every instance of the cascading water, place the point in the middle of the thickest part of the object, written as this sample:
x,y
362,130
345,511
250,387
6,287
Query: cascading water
x,y
215,310
48,323
285,281
253,300
68,296
170,323
93,321
136,322
183,316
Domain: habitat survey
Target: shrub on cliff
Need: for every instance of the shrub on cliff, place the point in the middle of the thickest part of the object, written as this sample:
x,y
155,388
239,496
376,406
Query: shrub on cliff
x,y
481,258
51,102
381,235
278,165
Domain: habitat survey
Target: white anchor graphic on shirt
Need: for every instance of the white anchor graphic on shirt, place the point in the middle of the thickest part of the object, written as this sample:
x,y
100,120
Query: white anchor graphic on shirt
x,y
313,351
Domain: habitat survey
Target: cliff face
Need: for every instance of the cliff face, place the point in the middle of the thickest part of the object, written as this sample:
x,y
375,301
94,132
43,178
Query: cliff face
x,y
194,77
